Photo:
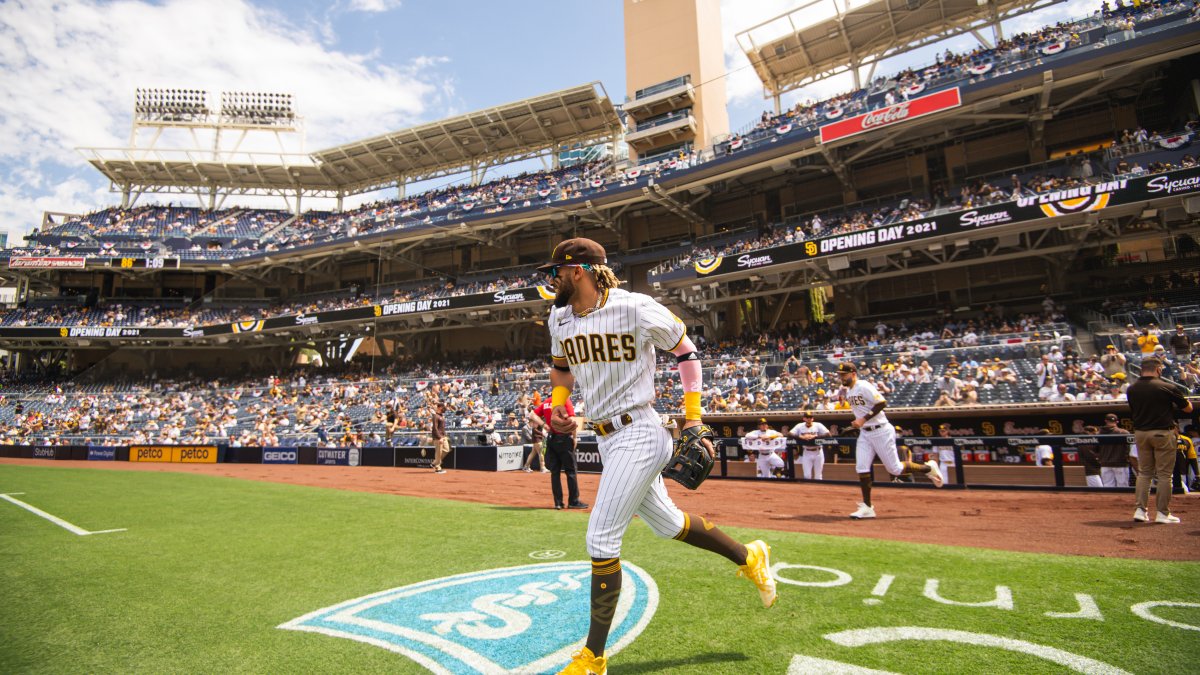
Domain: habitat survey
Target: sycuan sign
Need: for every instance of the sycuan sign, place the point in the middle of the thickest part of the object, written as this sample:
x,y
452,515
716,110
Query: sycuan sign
x,y
1083,199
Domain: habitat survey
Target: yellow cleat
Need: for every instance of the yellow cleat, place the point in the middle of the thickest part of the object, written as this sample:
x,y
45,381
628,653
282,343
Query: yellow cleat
x,y
584,662
758,570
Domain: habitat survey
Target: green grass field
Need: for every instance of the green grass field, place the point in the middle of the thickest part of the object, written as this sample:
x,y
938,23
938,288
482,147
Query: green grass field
x,y
209,568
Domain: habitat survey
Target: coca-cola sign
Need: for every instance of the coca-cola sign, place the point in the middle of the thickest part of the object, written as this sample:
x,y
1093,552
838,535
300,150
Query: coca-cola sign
x,y
906,110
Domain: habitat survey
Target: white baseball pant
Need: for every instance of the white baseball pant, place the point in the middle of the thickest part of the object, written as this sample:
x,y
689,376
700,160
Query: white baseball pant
x,y
878,442
631,484
1114,476
812,464
947,469
767,462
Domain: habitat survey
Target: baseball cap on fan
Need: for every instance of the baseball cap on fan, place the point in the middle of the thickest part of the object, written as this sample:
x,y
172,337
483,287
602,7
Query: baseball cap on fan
x,y
577,251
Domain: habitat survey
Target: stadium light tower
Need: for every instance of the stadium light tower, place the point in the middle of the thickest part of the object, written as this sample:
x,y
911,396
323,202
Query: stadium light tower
x,y
171,105
257,108
178,144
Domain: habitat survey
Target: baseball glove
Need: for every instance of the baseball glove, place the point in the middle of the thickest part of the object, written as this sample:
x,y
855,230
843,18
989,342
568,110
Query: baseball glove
x,y
691,463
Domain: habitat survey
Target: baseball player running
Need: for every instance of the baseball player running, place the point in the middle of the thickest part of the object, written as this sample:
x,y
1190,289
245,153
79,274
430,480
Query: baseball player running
x,y
603,340
812,458
876,438
767,443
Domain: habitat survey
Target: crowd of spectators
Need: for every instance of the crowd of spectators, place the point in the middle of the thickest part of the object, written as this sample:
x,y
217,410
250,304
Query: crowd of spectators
x,y
946,358
123,314
233,233
1019,52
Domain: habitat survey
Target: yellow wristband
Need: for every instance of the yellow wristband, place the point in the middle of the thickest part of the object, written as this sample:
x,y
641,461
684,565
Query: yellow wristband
x,y
559,396
691,406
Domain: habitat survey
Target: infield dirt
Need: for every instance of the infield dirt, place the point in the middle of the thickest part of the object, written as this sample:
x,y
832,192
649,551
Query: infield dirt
x,y
1037,522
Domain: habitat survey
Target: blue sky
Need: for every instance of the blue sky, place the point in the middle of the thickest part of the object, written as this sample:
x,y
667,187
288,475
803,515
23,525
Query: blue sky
x,y
357,68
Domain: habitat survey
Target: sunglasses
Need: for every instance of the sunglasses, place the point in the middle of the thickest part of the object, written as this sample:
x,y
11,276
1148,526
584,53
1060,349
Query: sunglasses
x,y
553,271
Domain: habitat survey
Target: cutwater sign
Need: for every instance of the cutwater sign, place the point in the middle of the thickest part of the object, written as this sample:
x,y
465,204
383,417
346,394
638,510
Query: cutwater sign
x,y
526,619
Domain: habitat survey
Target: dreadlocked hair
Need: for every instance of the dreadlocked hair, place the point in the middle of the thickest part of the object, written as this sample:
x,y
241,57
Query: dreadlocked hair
x,y
605,277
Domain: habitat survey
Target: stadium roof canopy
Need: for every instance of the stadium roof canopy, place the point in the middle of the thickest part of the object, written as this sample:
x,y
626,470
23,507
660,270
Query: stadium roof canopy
x,y
822,38
470,142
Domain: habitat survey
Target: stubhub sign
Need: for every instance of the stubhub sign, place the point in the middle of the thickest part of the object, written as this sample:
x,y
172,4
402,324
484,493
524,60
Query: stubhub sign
x,y
279,456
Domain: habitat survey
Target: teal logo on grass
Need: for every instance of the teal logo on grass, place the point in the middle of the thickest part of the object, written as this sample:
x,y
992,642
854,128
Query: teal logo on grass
x,y
526,619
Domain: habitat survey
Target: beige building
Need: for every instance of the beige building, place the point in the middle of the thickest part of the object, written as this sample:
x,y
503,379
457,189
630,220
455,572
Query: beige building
x,y
675,76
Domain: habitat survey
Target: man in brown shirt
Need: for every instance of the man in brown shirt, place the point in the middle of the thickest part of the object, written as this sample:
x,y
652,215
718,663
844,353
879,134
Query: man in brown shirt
x,y
1180,343
441,444
1152,403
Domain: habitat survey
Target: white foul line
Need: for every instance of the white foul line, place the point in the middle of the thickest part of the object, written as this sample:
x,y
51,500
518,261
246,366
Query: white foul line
x,y
54,519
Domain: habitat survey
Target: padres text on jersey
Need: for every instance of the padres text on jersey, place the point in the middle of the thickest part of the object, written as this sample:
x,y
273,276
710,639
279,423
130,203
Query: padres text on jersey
x,y
611,349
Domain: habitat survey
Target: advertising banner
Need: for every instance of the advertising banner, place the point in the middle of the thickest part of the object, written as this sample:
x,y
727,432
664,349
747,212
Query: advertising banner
x,y
1047,205
150,453
338,456
364,313
99,453
186,454
279,456
587,457
46,452
509,457
195,454
46,263
894,114
422,458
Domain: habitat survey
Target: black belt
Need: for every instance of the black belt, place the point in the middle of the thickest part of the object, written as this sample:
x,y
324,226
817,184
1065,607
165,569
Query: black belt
x,y
873,427
606,428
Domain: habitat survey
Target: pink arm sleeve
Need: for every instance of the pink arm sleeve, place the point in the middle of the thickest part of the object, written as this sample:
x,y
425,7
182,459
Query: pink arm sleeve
x,y
690,372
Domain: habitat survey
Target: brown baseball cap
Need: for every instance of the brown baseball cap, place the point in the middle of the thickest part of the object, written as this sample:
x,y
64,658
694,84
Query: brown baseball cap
x,y
1111,418
847,367
577,251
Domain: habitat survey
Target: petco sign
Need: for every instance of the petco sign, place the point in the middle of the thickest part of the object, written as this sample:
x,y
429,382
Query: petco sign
x,y
912,109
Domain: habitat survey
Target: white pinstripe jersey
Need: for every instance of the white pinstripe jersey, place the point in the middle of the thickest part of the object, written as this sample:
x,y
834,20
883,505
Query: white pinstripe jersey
x,y
862,397
611,349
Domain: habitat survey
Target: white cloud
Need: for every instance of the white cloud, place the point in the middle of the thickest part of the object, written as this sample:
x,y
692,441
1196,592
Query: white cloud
x,y
743,84
25,202
68,72
373,5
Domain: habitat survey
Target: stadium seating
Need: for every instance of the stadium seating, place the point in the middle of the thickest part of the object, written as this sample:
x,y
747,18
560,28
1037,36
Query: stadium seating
x,y
192,234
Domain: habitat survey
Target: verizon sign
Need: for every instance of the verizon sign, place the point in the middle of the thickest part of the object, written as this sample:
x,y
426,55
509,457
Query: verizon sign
x,y
46,263
911,109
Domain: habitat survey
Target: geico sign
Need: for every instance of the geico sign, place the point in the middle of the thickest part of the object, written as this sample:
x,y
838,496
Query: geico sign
x,y
284,456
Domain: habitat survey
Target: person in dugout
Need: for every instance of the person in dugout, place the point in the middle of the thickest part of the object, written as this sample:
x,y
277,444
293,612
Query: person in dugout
x,y
1185,458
